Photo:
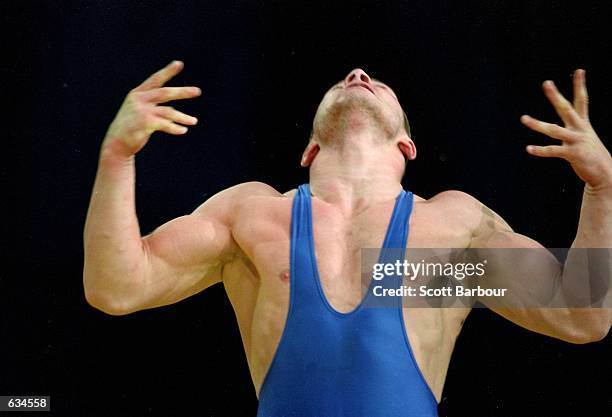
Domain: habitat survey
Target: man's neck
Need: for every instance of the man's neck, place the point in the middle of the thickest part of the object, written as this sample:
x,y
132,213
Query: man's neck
x,y
354,174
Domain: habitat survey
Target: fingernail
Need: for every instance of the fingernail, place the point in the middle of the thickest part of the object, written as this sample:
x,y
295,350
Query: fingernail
x,y
197,90
195,119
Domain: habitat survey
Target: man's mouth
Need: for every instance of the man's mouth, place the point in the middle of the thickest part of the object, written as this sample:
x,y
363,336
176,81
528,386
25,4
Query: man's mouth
x,y
362,85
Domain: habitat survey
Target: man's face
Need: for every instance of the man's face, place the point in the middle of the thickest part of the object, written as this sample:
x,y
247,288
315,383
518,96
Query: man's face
x,y
359,101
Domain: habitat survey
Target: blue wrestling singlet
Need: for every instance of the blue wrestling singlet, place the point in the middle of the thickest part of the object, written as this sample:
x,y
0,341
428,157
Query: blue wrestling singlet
x,y
332,364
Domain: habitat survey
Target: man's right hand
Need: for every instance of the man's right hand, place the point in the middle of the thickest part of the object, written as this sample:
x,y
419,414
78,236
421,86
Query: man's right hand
x,y
140,115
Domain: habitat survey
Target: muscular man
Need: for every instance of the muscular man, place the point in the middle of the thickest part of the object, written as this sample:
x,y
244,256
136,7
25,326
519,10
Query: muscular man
x,y
290,262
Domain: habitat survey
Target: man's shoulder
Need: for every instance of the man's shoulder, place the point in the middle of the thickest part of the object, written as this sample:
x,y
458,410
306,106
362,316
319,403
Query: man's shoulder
x,y
247,190
231,198
466,208
254,188
455,204
256,198
454,199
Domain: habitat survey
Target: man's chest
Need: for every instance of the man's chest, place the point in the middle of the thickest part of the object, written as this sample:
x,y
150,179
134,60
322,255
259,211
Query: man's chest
x,y
338,240
265,270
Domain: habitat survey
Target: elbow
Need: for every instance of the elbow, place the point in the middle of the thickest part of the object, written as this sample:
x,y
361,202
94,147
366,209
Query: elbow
x,y
596,331
107,304
587,338
111,296
603,333
595,335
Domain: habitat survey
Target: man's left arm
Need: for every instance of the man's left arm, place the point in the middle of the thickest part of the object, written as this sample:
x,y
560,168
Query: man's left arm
x,y
533,276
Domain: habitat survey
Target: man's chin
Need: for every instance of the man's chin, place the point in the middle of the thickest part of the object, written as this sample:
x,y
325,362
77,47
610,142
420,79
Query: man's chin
x,y
357,101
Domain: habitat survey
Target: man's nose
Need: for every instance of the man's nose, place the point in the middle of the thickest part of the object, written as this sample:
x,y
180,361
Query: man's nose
x,y
357,74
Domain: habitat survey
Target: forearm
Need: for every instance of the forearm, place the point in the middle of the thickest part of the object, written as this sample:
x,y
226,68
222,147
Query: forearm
x,y
587,272
595,224
588,262
112,242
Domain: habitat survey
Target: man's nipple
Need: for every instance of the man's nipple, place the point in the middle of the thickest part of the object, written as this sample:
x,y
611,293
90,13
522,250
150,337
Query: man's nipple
x,y
284,276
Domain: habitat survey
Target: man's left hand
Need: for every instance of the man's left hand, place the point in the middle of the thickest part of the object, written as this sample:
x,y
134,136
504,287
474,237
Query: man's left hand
x,y
580,145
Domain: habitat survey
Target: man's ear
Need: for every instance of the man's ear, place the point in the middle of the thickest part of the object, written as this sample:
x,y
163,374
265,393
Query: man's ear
x,y
408,148
309,153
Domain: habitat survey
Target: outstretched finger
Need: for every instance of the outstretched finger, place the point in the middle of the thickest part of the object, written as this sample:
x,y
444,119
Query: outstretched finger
x,y
581,97
553,151
168,112
563,107
169,127
161,77
549,129
164,94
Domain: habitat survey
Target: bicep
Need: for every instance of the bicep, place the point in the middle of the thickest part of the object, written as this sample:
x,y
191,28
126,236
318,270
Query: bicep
x,y
529,276
512,260
529,273
186,255
183,257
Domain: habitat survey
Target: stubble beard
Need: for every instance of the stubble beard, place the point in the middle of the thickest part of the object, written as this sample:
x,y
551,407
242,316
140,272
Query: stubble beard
x,y
350,113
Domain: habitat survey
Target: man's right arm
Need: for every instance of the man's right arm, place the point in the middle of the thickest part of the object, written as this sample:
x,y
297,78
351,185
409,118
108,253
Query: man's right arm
x,y
124,272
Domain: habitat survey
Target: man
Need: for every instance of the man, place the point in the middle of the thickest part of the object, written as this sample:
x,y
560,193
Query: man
x,y
290,263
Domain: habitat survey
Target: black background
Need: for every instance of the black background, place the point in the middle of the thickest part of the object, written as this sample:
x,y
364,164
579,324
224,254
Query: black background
x,y
464,72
